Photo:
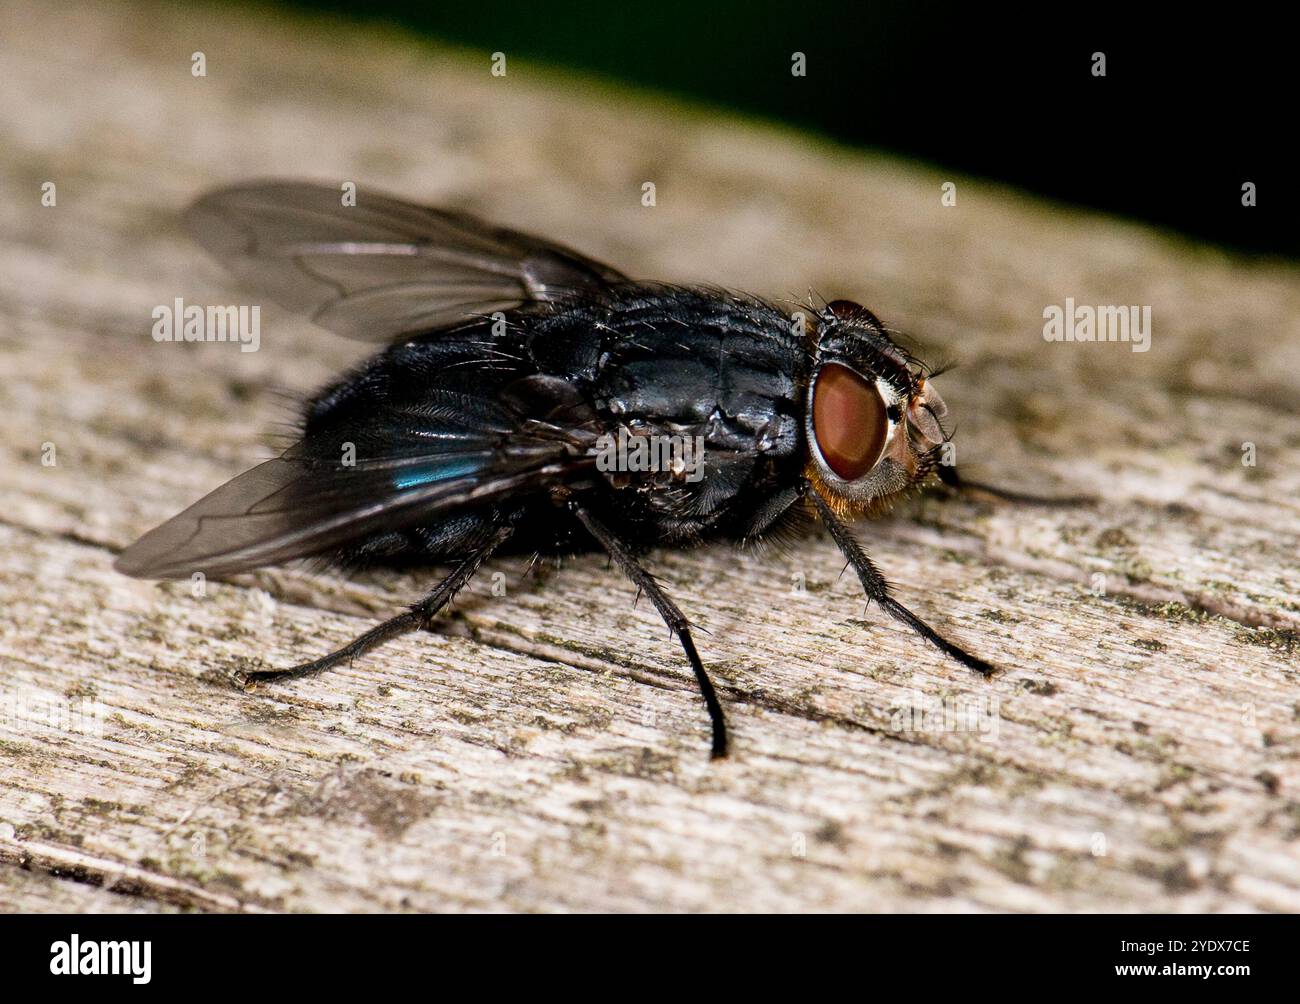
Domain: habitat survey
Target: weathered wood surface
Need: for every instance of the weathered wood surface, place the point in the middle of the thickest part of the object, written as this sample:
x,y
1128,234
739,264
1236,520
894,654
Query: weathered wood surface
x,y
546,751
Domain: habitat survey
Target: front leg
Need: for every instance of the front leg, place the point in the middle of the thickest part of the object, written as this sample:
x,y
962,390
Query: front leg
x,y
876,588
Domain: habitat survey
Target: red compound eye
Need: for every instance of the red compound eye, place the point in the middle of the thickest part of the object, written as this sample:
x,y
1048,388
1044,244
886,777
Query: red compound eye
x,y
845,309
849,421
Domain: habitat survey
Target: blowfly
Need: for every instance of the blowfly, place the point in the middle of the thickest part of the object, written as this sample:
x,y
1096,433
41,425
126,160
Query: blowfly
x,y
531,399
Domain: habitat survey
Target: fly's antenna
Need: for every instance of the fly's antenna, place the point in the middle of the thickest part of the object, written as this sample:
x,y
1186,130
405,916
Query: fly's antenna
x,y
945,365
947,436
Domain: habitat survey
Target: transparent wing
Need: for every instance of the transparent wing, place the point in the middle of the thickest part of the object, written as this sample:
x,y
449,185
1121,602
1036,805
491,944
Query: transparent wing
x,y
382,268
299,506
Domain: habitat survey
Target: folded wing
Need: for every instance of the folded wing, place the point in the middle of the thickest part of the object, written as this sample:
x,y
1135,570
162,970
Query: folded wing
x,y
382,268
299,505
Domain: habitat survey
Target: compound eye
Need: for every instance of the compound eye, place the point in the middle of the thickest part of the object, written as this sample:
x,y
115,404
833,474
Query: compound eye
x,y
845,309
849,422
854,313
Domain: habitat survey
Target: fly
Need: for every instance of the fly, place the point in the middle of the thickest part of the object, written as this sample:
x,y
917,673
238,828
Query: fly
x,y
531,399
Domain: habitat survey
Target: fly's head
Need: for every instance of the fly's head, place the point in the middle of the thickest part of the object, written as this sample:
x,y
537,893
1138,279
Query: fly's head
x,y
874,421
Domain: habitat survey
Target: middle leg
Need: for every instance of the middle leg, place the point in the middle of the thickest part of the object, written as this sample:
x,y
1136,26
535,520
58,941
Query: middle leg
x,y
674,618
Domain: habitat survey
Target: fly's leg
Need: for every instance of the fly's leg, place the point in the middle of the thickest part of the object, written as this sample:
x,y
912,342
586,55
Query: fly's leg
x,y
949,476
416,618
672,616
878,589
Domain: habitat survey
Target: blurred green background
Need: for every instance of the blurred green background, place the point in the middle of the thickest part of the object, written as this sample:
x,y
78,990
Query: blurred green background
x,y
1189,108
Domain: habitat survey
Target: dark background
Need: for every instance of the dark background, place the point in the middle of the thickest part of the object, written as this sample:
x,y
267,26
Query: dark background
x,y
1193,104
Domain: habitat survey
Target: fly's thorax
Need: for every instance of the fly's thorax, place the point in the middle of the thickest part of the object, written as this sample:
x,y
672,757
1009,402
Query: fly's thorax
x,y
872,421
705,389
641,455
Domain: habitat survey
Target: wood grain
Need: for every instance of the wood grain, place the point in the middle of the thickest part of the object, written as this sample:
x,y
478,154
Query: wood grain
x,y
545,749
